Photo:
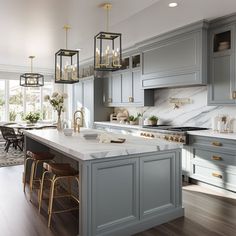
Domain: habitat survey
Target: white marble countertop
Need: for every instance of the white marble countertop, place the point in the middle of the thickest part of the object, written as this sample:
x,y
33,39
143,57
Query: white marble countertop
x,y
85,150
114,124
213,134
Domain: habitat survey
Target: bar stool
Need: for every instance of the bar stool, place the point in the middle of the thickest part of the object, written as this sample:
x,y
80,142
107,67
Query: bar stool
x,y
35,158
58,171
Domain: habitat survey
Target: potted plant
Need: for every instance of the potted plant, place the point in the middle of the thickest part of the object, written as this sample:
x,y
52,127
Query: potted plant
x,y
32,117
132,120
153,120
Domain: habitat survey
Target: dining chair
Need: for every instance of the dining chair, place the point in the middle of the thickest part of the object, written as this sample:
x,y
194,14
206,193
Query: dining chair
x,y
11,137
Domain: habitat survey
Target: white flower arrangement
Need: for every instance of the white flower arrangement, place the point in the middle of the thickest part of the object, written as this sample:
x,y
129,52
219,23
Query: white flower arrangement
x,y
57,101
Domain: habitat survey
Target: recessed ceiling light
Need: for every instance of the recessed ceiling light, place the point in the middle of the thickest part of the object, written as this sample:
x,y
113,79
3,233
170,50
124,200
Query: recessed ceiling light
x,y
173,4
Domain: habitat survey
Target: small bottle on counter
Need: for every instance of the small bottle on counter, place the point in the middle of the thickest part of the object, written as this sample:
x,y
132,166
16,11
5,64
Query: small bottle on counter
x,y
214,123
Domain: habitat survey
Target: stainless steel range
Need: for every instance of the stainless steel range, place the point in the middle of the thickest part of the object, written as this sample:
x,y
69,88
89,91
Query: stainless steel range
x,y
169,133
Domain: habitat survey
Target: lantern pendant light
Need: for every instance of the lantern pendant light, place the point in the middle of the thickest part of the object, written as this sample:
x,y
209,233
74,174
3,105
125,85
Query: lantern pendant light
x,y
107,48
67,63
31,79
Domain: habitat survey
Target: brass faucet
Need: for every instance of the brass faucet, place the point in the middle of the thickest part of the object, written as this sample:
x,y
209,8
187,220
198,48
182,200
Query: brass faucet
x,y
81,118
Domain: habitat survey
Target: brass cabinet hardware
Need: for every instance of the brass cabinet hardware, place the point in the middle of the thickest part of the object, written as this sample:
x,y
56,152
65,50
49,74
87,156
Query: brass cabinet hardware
x,y
217,175
234,95
216,158
131,99
215,143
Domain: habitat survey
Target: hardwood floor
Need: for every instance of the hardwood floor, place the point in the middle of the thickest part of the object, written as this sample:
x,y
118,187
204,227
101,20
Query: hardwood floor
x,y
207,213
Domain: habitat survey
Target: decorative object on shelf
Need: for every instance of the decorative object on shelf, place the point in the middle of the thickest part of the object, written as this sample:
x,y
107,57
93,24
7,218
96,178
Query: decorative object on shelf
x,y
57,102
153,120
31,79
32,117
107,48
122,115
67,64
179,102
223,46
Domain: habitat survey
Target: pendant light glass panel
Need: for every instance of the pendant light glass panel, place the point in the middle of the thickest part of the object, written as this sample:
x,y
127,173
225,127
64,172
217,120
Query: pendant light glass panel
x,y
107,51
31,79
67,66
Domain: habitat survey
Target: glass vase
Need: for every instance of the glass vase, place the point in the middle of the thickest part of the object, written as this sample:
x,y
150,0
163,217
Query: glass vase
x,y
59,123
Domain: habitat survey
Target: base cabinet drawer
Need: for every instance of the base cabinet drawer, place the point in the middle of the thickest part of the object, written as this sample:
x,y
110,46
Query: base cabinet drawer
x,y
213,161
214,158
216,176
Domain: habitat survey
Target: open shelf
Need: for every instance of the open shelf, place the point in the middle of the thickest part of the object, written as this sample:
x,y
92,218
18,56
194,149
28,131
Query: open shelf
x,y
222,41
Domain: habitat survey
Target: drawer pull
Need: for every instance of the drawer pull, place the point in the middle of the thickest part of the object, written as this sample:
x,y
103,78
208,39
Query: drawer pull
x,y
217,175
216,158
218,144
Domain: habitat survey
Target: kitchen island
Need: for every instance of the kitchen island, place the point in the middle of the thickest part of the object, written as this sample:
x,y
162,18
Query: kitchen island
x,y
125,188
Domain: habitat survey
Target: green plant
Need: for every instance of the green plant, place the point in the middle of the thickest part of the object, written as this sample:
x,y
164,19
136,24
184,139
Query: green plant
x,y
132,118
12,115
153,118
32,117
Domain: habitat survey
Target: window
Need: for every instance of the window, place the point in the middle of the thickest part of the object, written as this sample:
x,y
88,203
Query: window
x,y
15,101
2,100
16,108
47,110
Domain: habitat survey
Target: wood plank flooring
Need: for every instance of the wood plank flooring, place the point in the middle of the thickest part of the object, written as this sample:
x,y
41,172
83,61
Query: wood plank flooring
x,y
207,213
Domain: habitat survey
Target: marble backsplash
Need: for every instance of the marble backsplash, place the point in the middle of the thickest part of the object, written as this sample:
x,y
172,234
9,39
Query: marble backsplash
x,y
197,113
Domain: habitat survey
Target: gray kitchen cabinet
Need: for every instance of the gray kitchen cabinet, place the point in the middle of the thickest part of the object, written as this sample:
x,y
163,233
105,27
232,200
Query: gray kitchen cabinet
x,y
177,58
107,90
213,161
129,192
138,92
116,84
88,96
151,185
222,87
124,87
127,87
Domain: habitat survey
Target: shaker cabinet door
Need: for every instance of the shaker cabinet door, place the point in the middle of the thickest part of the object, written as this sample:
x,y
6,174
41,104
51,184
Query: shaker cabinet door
x,y
222,66
138,92
116,88
221,82
126,88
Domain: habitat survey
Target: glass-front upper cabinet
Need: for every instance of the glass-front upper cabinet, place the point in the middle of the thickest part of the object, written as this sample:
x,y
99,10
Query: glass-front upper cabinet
x,y
222,41
136,61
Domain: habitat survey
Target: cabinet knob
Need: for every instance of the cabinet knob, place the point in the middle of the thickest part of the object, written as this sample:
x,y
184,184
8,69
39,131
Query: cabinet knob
x,y
234,95
216,158
217,175
215,143
131,99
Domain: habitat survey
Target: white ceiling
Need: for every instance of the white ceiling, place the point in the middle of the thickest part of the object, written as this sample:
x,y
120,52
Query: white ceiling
x,y
34,27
